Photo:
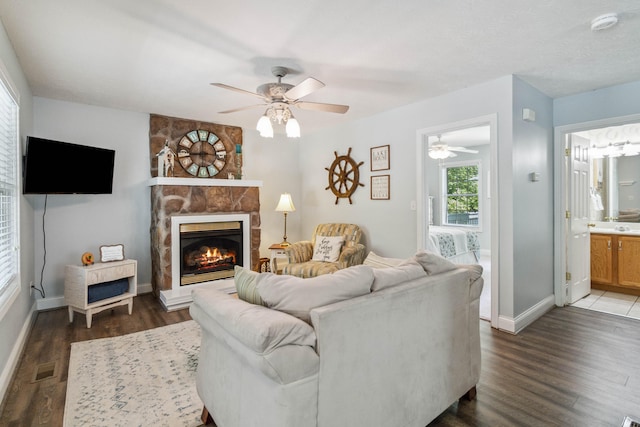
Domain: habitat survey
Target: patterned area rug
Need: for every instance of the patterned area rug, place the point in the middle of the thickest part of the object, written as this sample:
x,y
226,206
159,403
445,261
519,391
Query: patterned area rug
x,y
142,379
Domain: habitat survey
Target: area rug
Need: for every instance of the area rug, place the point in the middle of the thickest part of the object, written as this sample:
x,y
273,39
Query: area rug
x,y
142,379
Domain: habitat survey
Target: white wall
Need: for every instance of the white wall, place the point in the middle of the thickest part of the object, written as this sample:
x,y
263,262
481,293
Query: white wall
x,y
78,223
14,325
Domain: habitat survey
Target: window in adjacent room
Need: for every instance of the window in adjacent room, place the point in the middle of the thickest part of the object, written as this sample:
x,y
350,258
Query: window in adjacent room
x,y
9,195
461,194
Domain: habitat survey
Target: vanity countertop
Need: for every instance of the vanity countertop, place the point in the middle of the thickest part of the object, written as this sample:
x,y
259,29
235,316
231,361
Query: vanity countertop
x,y
625,232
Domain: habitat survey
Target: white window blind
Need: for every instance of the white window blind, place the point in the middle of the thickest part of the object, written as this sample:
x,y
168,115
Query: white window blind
x,y
8,190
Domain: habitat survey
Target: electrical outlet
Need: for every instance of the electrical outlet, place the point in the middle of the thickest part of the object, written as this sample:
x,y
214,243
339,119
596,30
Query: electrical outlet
x,y
413,206
31,288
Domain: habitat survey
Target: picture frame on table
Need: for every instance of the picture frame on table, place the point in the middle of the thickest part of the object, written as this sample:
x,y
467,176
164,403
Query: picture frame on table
x,y
380,158
110,253
380,187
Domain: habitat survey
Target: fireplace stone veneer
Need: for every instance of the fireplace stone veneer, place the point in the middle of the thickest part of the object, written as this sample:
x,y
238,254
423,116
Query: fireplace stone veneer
x,y
172,197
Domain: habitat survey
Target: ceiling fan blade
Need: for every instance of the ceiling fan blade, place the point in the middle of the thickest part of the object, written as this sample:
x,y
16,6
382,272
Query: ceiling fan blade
x,y
235,89
242,108
319,106
463,150
303,89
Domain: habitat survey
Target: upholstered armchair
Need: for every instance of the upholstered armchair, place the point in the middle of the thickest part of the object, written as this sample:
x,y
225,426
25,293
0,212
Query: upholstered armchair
x,y
307,259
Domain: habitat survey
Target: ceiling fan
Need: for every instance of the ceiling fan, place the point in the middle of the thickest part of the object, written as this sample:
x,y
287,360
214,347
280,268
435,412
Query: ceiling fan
x,y
279,97
439,150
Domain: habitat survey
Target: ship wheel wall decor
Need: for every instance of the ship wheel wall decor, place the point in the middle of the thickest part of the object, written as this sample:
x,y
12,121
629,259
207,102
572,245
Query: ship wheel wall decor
x,y
344,176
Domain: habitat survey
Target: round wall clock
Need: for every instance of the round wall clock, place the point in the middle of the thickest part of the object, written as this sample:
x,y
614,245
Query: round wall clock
x,y
201,153
344,176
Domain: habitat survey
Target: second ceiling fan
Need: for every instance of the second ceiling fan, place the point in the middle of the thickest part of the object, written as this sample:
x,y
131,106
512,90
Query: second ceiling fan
x,y
440,150
279,97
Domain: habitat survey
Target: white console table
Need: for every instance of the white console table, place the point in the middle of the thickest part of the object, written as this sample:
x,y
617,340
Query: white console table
x,y
78,279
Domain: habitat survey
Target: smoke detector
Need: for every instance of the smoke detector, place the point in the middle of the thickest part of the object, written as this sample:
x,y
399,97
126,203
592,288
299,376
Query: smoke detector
x,y
603,22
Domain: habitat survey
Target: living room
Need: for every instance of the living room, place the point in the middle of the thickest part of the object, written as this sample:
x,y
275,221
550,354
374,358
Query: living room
x,y
74,224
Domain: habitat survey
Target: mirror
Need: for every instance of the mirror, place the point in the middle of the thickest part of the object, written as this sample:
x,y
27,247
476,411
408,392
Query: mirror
x,y
615,190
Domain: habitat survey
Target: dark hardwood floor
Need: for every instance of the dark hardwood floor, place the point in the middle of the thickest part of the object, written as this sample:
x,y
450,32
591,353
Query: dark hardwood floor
x,y
572,367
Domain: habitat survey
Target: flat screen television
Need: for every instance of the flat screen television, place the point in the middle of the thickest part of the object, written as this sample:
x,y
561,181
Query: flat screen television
x,y
55,167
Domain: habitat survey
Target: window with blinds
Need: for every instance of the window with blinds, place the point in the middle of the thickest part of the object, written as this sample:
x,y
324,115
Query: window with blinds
x,y
8,193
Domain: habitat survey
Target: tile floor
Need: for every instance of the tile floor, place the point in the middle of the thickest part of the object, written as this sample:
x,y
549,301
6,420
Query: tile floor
x,y
611,302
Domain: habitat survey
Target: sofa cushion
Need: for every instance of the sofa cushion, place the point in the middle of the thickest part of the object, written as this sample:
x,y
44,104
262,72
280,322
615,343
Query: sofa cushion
x,y
298,296
327,248
377,261
434,263
245,281
390,276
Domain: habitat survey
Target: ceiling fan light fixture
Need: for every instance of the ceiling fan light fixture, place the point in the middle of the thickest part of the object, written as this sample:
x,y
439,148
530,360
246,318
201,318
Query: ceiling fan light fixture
x,y
438,154
293,128
264,127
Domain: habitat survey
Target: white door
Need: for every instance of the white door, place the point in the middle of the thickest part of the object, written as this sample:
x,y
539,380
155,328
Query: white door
x,y
578,240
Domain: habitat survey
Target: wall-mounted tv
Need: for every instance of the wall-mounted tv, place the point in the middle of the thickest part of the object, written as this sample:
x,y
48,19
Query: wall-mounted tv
x,y
54,167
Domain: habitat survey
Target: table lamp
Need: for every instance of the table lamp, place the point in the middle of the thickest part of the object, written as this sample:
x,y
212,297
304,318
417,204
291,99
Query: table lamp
x,y
285,205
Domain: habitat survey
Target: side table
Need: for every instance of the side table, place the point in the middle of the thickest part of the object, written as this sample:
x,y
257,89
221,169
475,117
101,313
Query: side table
x,y
278,252
78,279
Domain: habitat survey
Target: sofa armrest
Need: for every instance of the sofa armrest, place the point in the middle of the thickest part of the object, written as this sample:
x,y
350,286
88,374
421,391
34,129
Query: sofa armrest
x,y
259,328
298,252
352,255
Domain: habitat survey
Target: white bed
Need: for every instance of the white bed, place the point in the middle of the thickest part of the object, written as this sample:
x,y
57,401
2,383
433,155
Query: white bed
x,y
455,244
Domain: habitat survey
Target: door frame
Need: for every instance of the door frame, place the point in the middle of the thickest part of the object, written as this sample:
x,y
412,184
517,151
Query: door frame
x,y
560,285
422,150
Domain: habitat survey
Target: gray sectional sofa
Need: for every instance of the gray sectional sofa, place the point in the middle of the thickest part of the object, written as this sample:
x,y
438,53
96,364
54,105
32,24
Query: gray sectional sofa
x,y
397,355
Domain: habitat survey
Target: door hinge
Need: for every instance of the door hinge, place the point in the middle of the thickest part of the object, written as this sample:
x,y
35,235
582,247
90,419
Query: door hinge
x,y
568,276
567,152
567,214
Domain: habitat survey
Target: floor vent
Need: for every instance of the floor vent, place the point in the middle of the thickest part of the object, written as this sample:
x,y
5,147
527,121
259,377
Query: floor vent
x,y
44,371
631,422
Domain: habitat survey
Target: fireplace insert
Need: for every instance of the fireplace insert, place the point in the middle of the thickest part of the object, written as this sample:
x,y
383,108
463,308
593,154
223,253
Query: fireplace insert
x,y
209,251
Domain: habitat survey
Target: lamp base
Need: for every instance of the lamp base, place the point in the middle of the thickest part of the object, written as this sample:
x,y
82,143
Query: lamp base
x,y
285,244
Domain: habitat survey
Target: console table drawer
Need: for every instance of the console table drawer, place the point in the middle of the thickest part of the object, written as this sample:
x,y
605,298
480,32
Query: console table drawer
x,y
109,274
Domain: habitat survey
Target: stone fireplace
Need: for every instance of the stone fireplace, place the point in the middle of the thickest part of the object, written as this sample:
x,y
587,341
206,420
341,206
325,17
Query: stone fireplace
x,y
205,205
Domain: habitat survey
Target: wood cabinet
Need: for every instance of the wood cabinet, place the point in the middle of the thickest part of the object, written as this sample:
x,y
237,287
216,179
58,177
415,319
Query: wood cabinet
x,y
601,259
615,263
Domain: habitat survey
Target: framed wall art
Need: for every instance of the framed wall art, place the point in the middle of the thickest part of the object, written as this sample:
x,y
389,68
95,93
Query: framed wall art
x,y
380,158
380,187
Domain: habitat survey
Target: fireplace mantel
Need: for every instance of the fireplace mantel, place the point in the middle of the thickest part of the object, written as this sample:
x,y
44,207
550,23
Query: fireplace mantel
x,y
204,182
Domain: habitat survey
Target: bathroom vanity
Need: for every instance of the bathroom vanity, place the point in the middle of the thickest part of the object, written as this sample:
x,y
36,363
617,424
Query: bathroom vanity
x,y
615,259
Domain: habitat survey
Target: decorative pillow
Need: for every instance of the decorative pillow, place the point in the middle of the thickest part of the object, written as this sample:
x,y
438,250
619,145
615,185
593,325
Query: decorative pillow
x,y
390,276
245,281
298,296
434,263
327,248
376,261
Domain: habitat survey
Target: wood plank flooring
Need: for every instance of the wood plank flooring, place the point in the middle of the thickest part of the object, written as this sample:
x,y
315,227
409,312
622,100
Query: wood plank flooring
x,y
572,367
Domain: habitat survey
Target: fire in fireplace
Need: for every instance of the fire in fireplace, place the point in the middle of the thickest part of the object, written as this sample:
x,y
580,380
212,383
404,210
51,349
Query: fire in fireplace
x,y
209,251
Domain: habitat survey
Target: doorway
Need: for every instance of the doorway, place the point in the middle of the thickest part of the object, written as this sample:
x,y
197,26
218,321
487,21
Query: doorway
x,y
607,140
469,142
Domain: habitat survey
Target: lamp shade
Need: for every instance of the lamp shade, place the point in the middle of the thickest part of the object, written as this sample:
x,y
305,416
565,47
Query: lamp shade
x,y
293,128
264,127
285,204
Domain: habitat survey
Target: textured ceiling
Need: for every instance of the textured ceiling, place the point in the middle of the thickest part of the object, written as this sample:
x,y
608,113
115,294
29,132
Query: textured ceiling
x,y
159,56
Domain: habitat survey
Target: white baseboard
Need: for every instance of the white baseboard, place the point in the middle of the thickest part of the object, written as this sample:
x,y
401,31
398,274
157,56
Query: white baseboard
x,y
16,352
509,324
58,301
